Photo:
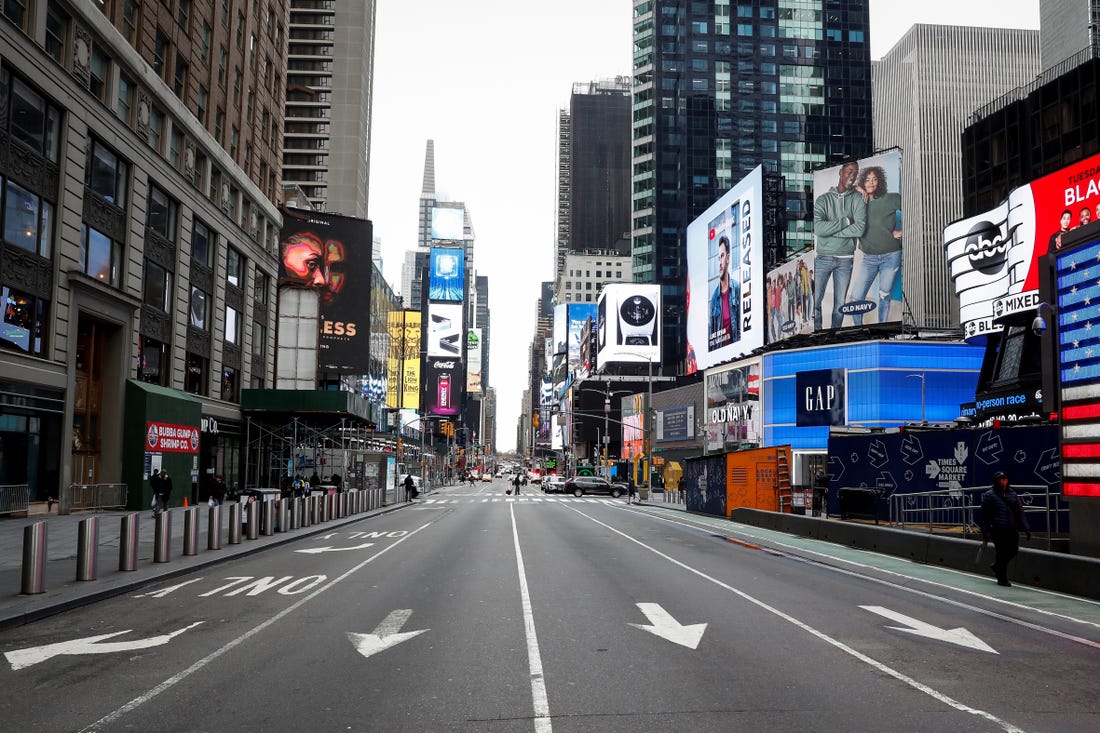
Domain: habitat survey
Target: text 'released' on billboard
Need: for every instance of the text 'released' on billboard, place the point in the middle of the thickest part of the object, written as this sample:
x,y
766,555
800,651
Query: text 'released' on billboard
x,y
725,257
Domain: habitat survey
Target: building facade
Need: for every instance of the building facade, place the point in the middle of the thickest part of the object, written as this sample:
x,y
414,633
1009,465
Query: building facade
x,y
584,275
925,89
140,232
1065,27
721,88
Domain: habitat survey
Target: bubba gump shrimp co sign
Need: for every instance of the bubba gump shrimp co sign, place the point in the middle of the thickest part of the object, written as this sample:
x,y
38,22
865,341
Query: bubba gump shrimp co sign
x,y
167,438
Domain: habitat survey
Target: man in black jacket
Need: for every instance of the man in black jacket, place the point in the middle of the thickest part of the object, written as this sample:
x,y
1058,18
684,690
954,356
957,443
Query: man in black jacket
x,y
1002,519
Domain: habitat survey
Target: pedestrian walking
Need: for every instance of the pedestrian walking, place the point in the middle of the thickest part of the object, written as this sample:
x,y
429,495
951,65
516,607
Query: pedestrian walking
x,y
631,491
217,490
516,482
162,491
1002,520
410,487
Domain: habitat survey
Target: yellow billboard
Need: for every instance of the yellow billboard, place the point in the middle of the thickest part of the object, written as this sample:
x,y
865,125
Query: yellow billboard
x,y
403,380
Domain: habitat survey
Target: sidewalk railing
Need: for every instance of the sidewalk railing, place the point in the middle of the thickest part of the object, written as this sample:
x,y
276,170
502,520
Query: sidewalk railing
x,y
14,498
85,497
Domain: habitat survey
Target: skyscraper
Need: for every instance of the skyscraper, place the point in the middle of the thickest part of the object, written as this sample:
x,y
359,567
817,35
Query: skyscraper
x,y
1066,27
925,90
330,82
721,88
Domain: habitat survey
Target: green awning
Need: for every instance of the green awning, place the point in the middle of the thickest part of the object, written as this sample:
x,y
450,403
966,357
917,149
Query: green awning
x,y
298,401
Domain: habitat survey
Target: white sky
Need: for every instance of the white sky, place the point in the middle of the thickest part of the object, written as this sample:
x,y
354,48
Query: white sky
x,y
485,79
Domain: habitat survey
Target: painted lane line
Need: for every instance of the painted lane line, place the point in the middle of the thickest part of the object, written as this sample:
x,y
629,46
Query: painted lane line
x,y
836,643
959,636
181,676
540,701
385,635
22,658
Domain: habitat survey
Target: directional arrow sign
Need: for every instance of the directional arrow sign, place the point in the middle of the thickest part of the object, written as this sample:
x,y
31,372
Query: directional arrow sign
x,y
959,636
319,550
386,635
21,658
663,625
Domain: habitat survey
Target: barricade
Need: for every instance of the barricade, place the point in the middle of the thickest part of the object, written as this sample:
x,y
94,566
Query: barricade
x,y
235,523
14,498
87,545
191,531
162,538
128,542
343,505
34,559
214,528
91,496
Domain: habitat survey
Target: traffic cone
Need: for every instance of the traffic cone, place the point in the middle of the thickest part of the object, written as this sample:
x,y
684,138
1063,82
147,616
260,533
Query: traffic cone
x,y
185,502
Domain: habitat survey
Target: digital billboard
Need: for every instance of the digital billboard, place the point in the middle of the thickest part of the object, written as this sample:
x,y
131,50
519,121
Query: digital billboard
x,y
789,292
734,411
444,386
857,243
403,386
332,254
445,332
446,273
725,258
473,360
448,223
579,313
994,257
561,329
628,323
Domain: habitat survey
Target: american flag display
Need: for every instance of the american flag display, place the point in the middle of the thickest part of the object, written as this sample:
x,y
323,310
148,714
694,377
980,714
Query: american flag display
x,y
1077,278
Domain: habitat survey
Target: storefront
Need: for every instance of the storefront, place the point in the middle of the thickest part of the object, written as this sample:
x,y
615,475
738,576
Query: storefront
x,y
220,443
161,431
30,438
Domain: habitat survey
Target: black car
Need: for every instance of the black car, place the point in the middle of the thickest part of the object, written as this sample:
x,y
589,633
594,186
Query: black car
x,y
581,485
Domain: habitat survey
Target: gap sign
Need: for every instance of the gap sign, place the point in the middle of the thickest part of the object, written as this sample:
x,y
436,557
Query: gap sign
x,y
821,398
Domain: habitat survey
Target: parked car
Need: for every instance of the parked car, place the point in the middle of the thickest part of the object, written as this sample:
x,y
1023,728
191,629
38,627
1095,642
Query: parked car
x,y
581,485
554,484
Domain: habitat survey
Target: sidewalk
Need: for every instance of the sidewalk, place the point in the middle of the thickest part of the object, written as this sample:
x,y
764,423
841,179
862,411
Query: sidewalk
x,y
63,591
666,500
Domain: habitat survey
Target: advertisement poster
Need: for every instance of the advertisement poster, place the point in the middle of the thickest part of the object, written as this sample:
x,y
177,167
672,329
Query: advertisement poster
x,y
446,273
445,332
725,277
579,313
789,293
628,323
733,406
444,386
561,329
403,385
448,223
473,360
994,257
857,243
332,254
822,398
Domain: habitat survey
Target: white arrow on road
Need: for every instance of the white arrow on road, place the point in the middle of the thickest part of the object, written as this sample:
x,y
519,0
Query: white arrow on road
x,y
386,635
319,550
666,627
959,636
21,658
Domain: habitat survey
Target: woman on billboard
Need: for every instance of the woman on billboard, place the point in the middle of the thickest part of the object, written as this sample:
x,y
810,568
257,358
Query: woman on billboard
x,y
880,243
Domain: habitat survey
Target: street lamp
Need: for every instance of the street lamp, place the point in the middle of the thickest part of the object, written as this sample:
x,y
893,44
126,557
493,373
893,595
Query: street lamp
x,y
921,378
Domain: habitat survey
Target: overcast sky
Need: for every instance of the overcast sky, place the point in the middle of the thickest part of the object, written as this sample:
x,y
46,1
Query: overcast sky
x,y
485,79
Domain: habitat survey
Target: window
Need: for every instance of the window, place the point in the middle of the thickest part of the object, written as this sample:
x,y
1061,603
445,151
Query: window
x,y
24,321
219,124
175,148
131,18
199,302
259,338
202,243
16,12
156,290
161,216
160,54
260,284
179,80
183,13
100,256
33,121
28,220
125,104
57,32
232,325
234,265
240,30
237,88
230,384
156,129
194,378
204,41
152,361
223,57
234,141
105,173
203,100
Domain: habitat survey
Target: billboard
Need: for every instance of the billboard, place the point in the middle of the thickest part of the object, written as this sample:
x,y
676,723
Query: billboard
x,y
444,386
628,323
561,329
579,314
446,273
858,242
994,257
789,292
734,411
725,257
445,329
473,360
822,398
332,254
448,223
403,386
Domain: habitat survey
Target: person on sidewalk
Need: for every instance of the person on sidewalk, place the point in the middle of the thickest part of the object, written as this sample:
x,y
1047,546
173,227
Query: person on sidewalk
x,y
410,487
162,491
631,491
217,490
517,483
1002,519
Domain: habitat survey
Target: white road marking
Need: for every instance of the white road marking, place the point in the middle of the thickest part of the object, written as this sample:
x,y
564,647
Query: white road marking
x,y
385,635
874,663
662,624
22,658
539,698
319,550
181,676
959,636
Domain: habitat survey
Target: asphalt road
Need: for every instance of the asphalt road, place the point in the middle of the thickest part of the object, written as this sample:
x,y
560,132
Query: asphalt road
x,y
471,612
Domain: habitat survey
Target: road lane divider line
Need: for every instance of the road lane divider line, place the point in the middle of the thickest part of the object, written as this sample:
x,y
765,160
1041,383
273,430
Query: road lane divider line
x,y
181,676
836,643
539,698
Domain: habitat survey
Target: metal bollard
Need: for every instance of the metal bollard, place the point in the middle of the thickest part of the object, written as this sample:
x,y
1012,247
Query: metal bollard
x,y
34,558
253,512
284,514
191,531
162,537
322,502
235,523
343,500
295,513
87,545
128,542
307,511
267,522
214,528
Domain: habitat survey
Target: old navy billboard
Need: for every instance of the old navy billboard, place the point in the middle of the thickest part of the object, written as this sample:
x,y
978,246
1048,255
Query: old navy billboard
x,y
725,300
733,406
332,254
994,257
856,268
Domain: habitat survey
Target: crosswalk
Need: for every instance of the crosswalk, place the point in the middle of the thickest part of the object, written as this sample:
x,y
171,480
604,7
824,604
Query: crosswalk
x,y
481,499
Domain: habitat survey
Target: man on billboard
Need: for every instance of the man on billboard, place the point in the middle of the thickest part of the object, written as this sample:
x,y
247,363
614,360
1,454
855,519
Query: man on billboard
x,y
840,218
1063,226
725,302
880,243
308,261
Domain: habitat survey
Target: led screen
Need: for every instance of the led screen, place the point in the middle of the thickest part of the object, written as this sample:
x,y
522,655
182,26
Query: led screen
x,y
446,274
448,223
628,323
